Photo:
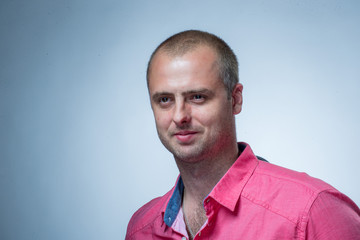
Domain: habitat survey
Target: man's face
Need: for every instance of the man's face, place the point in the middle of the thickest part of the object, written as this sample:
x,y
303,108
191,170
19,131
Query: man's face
x,y
194,116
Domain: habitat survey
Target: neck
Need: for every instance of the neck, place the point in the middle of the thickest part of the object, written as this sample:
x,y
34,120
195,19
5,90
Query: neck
x,y
200,177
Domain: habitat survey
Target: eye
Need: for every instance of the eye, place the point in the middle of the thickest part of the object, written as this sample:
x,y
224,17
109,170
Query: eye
x,y
164,99
198,98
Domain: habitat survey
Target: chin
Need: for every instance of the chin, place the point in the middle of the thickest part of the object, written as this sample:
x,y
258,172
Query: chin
x,y
193,154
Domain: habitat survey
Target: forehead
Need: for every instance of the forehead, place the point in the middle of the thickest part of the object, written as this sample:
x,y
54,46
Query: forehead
x,y
197,68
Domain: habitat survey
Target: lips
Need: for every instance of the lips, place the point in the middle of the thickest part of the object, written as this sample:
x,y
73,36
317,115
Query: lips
x,y
185,136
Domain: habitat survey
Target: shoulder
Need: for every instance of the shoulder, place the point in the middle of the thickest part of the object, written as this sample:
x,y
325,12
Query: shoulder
x,y
333,216
317,209
283,191
147,214
290,177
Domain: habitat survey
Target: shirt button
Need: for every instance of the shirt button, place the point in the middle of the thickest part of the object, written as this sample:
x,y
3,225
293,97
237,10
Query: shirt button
x,y
183,238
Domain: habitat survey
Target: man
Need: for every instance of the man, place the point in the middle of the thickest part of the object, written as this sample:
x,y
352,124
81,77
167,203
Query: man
x,y
224,191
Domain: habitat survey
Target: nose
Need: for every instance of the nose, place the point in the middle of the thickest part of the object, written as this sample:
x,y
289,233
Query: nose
x,y
182,114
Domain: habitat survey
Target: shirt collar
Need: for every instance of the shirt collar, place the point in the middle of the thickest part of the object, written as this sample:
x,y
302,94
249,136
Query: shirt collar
x,y
227,191
232,183
174,204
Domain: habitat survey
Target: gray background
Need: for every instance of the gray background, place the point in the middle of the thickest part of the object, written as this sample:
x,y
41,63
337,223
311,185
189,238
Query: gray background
x,y
79,151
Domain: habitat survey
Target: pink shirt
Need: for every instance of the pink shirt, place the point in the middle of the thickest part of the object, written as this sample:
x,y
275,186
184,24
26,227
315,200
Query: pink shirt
x,y
255,200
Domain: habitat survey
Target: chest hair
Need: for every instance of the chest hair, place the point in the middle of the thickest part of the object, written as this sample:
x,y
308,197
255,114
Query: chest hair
x,y
195,219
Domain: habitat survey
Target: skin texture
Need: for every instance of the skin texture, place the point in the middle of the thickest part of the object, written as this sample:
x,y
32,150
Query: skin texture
x,y
195,121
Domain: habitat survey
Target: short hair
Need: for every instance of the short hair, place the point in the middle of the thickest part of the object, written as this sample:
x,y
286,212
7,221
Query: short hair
x,y
183,42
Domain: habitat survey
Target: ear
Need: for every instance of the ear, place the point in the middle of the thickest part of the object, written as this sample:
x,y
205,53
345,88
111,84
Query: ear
x,y
237,98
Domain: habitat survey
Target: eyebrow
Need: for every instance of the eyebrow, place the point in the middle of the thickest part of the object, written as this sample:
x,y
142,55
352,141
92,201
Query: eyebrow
x,y
155,96
201,91
205,91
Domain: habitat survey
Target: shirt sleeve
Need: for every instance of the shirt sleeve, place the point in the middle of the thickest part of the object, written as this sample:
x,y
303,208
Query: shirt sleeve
x,y
333,216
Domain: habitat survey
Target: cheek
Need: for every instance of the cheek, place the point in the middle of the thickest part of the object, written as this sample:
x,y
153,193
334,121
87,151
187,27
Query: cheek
x,y
205,117
215,116
162,119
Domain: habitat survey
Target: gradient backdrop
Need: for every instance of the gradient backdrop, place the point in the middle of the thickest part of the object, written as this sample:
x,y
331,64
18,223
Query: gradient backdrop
x,y
79,151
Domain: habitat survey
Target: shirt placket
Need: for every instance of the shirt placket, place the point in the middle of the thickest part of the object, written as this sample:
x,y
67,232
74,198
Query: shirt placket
x,y
209,210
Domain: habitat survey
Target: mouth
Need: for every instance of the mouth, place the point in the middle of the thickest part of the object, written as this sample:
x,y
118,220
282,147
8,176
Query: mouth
x,y
185,136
